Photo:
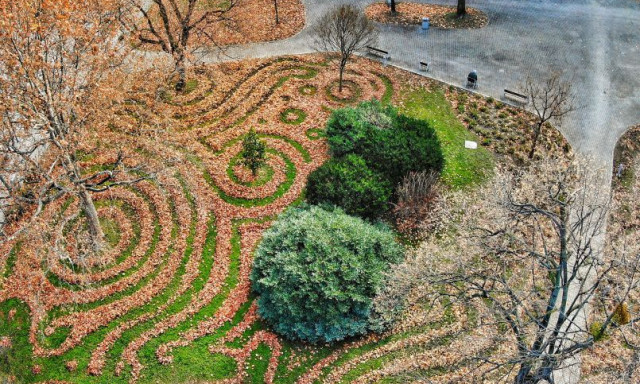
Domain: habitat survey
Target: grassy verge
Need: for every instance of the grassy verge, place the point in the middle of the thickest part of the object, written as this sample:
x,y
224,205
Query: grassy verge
x,y
388,88
258,364
463,167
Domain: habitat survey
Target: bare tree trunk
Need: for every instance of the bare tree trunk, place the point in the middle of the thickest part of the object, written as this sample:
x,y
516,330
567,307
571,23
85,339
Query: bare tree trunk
x,y
523,374
526,377
631,367
536,137
462,8
393,6
275,4
182,72
343,63
95,230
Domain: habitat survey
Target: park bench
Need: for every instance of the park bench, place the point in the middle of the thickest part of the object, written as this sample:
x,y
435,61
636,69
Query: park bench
x,y
424,66
378,52
517,97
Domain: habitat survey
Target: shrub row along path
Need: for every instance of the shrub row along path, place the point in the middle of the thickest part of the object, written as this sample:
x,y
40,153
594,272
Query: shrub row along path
x,y
594,41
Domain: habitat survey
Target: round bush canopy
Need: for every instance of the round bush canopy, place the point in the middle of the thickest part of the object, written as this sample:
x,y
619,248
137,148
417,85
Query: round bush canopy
x,y
390,143
348,183
317,270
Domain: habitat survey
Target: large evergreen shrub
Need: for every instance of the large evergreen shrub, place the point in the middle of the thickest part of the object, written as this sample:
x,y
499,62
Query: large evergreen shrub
x,y
390,143
348,182
317,271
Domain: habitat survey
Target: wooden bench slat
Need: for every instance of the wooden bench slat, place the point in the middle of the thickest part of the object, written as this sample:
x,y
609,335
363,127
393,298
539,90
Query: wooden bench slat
x,y
515,94
378,52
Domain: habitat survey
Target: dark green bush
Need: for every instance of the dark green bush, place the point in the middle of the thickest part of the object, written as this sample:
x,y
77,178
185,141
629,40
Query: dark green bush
x,y
317,272
390,143
344,131
254,154
348,182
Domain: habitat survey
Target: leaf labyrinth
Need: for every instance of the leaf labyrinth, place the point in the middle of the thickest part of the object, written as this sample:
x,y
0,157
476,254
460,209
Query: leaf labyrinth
x,y
174,281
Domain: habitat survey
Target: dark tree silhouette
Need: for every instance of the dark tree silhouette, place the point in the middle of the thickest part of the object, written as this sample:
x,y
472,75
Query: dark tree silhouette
x,y
462,8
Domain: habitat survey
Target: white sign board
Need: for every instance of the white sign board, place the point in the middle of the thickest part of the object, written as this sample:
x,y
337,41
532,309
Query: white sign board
x,y
470,144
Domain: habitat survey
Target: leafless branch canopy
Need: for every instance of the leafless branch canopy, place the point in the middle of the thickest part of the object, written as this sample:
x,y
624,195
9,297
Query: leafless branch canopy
x,y
551,99
58,65
530,250
345,30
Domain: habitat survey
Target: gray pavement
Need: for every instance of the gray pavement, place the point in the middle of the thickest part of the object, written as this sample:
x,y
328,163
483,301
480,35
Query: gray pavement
x,y
595,43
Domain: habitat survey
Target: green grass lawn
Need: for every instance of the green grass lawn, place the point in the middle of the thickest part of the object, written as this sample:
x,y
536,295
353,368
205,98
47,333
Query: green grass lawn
x,y
463,167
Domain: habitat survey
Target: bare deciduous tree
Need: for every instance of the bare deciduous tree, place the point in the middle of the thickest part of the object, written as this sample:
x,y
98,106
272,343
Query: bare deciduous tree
x,y
56,64
551,100
345,30
171,24
530,250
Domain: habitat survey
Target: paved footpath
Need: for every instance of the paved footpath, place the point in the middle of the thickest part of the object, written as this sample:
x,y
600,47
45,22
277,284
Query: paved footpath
x,y
595,43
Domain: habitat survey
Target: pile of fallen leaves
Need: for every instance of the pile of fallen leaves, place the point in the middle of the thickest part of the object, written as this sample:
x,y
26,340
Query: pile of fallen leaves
x,y
248,21
254,21
440,16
